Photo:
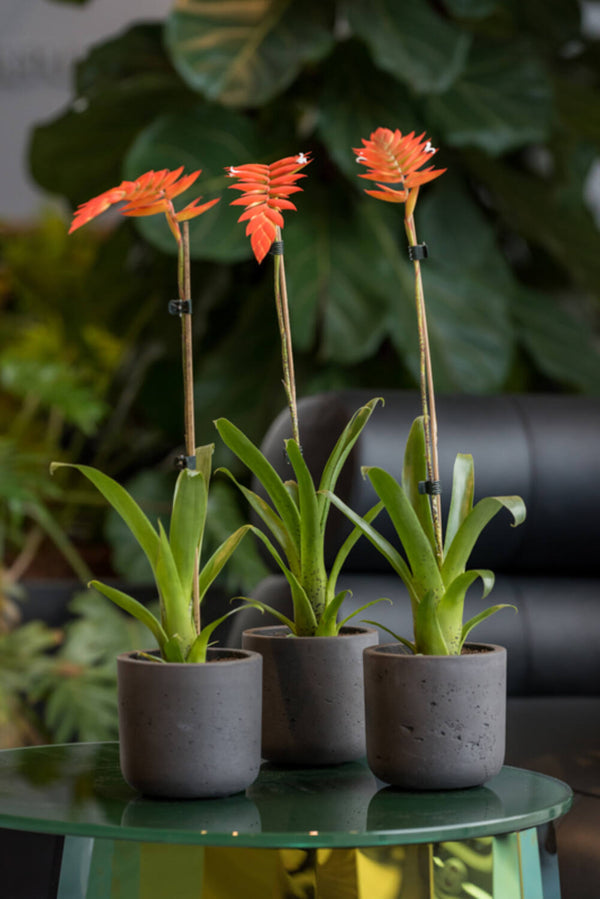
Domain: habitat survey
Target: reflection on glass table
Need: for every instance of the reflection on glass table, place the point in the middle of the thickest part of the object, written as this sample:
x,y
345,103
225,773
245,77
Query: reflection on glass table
x,y
324,832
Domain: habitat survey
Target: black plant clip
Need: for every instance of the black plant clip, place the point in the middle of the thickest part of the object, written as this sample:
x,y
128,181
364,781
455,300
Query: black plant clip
x,y
182,461
419,251
276,248
432,488
180,307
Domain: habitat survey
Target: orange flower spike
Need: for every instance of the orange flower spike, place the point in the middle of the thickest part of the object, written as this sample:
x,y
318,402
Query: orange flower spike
x,y
149,194
265,191
394,158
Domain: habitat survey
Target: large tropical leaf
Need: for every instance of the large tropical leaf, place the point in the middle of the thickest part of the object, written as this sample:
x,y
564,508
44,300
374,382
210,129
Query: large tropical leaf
x,y
371,98
503,100
206,137
245,53
411,41
121,87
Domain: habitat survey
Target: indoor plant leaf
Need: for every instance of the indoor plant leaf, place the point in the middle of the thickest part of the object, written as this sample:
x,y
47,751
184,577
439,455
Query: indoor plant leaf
x,y
501,101
133,607
187,521
414,471
245,54
124,504
215,564
175,604
210,137
451,605
416,45
461,501
461,547
252,457
419,552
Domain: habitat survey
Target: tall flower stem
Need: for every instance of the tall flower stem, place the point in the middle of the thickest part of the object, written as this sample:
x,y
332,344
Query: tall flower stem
x,y
427,391
185,293
285,331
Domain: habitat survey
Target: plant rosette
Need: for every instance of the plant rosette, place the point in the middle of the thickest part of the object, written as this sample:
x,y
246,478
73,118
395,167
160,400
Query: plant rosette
x,y
189,716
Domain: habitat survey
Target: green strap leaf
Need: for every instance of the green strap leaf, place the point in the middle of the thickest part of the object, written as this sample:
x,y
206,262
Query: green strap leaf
x,y
263,607
418,549
176,604
341,451
197,652
468,533
262,469
305,622
328,626
463,488
392,633
188,519
429,637
271,519
123,504
414,470
361,609
477,619
219,559
134,608
174,650
345,550
379,542
451,606
313,575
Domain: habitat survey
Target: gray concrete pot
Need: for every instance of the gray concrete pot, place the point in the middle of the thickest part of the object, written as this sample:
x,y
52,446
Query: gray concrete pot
x,y
435,722
313,695
190,731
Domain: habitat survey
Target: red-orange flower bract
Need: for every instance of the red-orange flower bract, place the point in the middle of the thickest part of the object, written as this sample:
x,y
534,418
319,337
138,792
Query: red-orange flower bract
x,y
266,189
149,194
394,158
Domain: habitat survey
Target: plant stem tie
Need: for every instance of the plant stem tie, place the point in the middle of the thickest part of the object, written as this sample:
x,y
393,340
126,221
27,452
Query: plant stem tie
x,y
418,251
432,488
276,248
182,461
180,307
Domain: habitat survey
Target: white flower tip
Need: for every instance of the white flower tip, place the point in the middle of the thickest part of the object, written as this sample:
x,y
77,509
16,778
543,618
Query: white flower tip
x,y
428,148
361,158
301,158
232,172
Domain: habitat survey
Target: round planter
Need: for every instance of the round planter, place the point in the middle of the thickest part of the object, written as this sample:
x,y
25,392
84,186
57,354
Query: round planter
x,y
313,694
435,722
190,731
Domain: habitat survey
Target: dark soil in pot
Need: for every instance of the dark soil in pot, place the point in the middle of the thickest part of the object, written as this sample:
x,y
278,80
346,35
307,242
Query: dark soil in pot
x,y
313,694
435,722
190,731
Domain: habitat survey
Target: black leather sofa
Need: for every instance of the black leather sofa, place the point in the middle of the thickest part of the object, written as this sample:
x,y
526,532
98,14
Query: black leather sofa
x,y
545,448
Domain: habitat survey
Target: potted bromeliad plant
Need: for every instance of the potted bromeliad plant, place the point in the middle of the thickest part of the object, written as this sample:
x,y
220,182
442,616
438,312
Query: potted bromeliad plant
x,y
189,714
435,705
313,703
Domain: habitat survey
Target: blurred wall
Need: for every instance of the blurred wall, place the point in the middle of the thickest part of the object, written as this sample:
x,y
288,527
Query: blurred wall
x,y
39,40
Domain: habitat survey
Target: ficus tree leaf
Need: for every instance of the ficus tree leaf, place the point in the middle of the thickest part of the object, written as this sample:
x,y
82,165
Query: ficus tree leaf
x,y
207,138
411,41
244,54
501,101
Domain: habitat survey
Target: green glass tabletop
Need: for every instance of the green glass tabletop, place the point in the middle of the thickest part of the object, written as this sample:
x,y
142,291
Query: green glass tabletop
x,y
77,789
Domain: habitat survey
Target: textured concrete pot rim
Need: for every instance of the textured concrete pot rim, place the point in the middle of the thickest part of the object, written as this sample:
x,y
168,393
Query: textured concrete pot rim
x,y
223,656
282,632
398,651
